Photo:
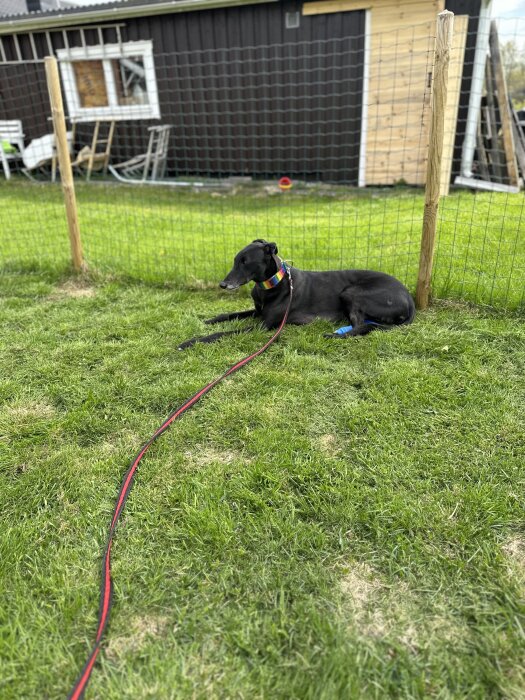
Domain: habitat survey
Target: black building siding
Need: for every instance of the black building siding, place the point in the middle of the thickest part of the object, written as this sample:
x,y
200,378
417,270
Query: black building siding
x,y
244,94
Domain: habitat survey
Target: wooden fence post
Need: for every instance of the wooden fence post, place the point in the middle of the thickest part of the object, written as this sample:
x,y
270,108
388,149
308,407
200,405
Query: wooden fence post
x,y
64,160
444,30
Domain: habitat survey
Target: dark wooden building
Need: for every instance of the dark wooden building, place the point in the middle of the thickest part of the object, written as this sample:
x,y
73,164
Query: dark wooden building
x,y
332,91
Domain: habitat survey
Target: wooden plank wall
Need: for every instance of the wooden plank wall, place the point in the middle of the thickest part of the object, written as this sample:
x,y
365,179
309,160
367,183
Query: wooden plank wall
x,y
400,65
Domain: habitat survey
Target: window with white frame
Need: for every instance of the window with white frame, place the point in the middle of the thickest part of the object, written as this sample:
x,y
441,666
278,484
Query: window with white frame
x,y
110,81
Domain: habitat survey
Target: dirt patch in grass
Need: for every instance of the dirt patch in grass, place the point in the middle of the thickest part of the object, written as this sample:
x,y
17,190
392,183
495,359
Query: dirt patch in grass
x,y
395,614
514,550
359,586
74,288
515,683
31,409
328,444
457,305
141,630
203,456
446,628
124,440
363,591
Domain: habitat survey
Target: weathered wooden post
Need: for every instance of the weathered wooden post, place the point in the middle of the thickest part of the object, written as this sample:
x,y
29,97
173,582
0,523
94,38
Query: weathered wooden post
x,y
444,30
64,160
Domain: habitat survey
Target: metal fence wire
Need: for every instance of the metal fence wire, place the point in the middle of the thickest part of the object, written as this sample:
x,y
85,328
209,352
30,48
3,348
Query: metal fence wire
x,y
320,144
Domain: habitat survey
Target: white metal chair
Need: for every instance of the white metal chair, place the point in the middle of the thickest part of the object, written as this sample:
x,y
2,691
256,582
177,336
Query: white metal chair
x,y
11,132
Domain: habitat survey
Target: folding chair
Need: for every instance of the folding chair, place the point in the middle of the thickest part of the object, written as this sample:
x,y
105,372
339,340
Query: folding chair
x,y
91,157
155,159
11,135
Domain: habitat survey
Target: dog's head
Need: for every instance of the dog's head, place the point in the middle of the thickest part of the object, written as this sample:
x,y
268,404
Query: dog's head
x,y
255,263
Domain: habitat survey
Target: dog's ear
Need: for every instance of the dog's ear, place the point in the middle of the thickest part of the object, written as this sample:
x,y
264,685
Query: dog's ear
x,y
271,248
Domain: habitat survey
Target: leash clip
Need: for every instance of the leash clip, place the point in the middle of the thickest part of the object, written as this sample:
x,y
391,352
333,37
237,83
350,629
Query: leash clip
x,y
289,273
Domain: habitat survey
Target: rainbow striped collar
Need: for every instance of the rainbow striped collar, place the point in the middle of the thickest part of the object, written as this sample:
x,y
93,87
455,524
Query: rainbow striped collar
x,y
274,281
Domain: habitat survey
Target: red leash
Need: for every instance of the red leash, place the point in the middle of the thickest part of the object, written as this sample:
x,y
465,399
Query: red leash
x,y
106,589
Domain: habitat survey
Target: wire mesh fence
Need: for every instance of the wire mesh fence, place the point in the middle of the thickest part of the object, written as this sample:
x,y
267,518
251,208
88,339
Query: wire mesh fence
x,y
480,253
315,137
34,229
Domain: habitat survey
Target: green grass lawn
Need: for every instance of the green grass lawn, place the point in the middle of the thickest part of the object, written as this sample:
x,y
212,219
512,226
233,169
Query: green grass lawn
x,y
339,520
161,234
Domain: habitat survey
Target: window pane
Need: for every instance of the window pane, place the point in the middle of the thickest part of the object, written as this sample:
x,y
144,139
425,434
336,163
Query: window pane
x,y
91,84
130,80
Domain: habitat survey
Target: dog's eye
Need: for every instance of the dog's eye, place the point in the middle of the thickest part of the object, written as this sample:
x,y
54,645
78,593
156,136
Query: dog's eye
x,y
243,261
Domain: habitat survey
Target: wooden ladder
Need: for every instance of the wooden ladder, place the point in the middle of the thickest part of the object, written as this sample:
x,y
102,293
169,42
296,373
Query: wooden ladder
x,y
102,136
102,156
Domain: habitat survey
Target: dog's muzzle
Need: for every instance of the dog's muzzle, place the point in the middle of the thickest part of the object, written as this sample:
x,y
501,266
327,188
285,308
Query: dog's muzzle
x,y
228,285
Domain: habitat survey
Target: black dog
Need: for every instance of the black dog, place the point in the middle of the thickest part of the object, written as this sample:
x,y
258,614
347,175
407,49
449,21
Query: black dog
x,y
366,299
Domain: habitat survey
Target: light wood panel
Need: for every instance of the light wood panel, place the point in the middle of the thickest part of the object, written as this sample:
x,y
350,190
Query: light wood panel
x,y
400,70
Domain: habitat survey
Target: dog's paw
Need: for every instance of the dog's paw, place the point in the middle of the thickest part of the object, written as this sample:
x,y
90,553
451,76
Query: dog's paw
x,y
339,335
217,319
187,344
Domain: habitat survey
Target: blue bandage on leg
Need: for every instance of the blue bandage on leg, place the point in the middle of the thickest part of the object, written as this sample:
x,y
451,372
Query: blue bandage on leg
x,y
343,330
346,329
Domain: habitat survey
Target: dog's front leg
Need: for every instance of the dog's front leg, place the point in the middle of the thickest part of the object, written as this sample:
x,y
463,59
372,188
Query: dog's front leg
x,y
235,316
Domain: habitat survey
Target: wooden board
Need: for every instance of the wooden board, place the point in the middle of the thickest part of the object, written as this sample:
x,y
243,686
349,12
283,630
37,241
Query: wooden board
x,y
519,140
323,7
91,83
503,103
400,65
455,75
399,95
329,6
498,164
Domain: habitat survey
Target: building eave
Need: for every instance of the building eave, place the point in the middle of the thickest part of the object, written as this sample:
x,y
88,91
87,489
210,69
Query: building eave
x,y
43,22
